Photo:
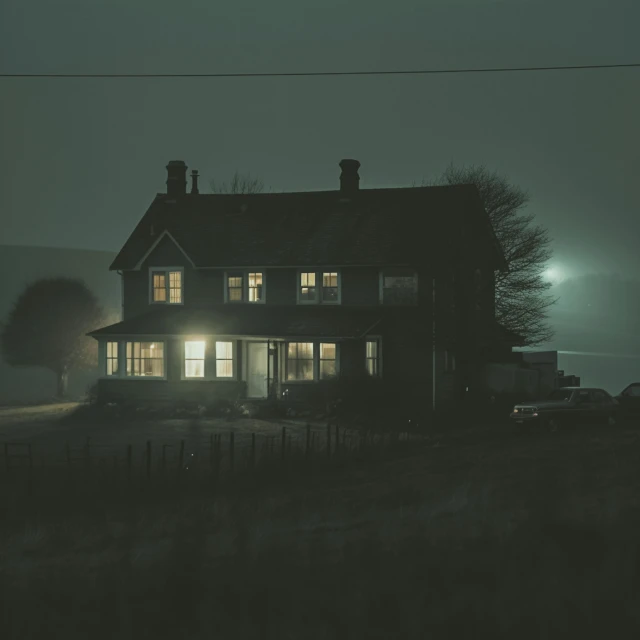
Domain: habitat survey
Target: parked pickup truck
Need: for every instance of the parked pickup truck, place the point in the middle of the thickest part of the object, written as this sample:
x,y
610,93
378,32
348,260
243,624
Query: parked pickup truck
x,y
568,406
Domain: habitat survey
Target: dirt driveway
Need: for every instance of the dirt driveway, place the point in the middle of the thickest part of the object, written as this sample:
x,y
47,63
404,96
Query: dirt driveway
x,y
47,429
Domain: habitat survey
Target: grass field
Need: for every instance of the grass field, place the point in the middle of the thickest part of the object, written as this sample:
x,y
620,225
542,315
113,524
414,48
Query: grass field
x,y
471,533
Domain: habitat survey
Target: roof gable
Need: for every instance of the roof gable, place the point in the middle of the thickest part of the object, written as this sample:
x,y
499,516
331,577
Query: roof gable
x,y
375,227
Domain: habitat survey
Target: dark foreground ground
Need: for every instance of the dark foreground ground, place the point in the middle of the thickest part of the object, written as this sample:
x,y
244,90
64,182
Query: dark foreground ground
x,y
472,533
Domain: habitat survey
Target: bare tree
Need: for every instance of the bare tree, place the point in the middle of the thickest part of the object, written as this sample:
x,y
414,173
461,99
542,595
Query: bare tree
x,y
239,183
47,327
521,301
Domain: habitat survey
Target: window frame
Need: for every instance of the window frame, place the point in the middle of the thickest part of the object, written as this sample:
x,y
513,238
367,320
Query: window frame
x,y
313,358
167,285
335,360
233,359
319,274
381,287
108,358
244,274
378,359
184,360
210,358
127,376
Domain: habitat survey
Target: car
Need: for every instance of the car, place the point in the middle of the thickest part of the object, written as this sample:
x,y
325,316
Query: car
x,y
629,401
568,406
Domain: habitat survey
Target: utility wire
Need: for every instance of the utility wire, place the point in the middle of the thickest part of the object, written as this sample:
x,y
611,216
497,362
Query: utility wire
x,y
317,73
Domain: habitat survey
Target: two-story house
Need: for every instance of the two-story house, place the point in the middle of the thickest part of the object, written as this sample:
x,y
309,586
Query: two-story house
x,y
264,295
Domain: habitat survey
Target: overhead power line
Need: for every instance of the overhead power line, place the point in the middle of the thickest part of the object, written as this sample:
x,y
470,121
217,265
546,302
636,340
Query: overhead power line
x,y
318,73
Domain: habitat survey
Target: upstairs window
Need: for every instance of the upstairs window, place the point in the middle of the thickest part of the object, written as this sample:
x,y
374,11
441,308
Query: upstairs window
x,y
234,288
166,286
245,286
112,358
399,287
319,287
330,287
145,359
373,358
307,290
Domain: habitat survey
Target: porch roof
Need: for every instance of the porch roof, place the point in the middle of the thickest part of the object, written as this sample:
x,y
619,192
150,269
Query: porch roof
x,y
250,320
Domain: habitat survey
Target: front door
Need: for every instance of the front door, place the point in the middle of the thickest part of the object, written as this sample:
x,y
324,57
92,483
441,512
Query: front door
x,y
257,369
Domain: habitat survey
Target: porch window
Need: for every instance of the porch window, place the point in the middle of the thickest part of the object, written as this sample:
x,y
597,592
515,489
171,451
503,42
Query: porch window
x,y
399,287
300,361
327,360
308,291
194,359
112,358
234,288
255,287
224,359
330,287
166,286
373,358
145,359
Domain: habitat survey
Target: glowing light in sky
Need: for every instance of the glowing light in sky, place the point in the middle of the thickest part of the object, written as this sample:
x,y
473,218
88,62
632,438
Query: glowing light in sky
x,y
553,274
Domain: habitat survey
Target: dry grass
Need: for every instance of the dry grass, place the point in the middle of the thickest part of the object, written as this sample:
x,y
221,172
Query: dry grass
x,y
480,536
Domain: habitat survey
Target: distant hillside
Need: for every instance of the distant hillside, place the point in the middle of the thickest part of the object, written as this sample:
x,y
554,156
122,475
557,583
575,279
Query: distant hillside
x,y
22,265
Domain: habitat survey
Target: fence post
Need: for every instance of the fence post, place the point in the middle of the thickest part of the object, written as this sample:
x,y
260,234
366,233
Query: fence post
x,y
328,439
337,445
148,459
253,451
231,450
308,446
67,451
6,456
211,451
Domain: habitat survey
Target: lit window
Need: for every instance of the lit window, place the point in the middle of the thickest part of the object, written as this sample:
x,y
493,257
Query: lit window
x,y
308,291
145,359
330,287
300,361
224,359
373,358
327,360
234,288
112,358
194,359
167,286
159,287
175,287
255,287
399,286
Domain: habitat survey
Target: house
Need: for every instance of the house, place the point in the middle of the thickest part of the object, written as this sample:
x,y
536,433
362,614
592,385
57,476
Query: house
x,y
264,295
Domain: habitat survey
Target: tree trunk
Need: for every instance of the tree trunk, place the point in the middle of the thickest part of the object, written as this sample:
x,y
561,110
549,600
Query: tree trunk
x,y
63,382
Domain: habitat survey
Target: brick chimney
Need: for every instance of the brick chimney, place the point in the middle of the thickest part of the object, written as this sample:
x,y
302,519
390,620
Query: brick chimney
x,y
176,178
194,182
349,178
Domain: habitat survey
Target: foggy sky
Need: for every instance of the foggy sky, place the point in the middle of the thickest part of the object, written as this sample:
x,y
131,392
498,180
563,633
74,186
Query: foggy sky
x,y
81,160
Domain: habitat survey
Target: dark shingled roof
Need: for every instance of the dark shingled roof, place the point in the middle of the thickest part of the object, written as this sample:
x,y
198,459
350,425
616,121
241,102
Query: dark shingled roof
x,y
375,227
251,320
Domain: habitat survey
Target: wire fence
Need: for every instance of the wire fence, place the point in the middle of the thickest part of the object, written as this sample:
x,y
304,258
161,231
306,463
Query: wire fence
x,y
222,456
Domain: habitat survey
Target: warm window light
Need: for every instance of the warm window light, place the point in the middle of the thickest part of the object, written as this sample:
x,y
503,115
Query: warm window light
x,y
194,358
